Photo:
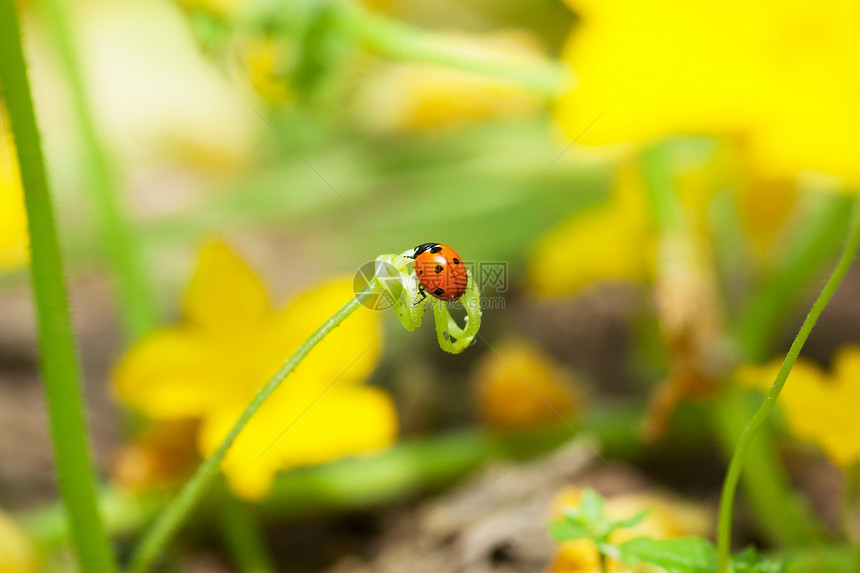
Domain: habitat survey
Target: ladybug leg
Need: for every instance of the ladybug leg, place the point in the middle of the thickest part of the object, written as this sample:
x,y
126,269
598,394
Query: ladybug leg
x,y
423,296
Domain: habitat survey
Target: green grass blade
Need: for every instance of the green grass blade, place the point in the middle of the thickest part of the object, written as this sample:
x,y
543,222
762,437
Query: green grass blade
x,y
57,346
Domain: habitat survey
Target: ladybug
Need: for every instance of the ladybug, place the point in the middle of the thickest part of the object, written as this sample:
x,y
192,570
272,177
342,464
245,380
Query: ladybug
x,y
440,271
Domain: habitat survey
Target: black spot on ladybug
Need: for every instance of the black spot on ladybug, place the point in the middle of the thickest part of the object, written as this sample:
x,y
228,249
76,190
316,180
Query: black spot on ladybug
x,y
456,261
435,249
439,291
438,269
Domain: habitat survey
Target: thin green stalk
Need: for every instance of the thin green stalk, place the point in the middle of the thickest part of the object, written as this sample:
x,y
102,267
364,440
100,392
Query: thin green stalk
x,y
178,511
603,566
394,39
724,533
56,343
782,516
134,294
850,498
244,537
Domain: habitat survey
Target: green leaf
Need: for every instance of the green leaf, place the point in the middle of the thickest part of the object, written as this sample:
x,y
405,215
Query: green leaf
x,y
630,521
567,530
749,561
682,555
592,507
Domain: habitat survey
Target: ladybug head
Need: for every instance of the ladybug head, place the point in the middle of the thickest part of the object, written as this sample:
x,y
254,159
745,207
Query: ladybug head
x,y
423,248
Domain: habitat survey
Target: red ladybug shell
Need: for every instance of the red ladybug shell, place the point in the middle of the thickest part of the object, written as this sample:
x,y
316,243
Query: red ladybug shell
x,y
440,271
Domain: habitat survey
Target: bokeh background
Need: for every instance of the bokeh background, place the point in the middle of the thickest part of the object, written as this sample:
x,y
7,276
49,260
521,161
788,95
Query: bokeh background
x,y
666,186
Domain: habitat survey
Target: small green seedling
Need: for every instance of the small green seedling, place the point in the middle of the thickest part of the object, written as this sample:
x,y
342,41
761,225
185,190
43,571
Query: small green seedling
x,y
679,555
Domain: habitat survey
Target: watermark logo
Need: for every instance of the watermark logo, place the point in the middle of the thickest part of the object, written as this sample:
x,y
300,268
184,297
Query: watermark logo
x,y
493,276
377,301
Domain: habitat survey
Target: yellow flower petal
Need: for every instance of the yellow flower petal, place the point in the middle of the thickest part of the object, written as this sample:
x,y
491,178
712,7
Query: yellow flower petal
x,y
765,206
13,217
220,8
578,556
350,351
16,553
661,68
175,373
820,408
224,294
209,370
161,456
266,66
755,69
611,241
298,428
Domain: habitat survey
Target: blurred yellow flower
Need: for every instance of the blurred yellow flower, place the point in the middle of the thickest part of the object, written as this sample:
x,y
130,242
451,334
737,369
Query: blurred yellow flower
x,y
773,74
13,216
668,517
610,241
16,553
764,208
506,402
220,8
416,97
231,342
819,407
161,456
266,66
616,240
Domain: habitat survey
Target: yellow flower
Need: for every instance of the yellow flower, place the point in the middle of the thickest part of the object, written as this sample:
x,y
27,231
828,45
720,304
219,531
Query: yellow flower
x,y
16,554
231,342
819,407
416,97
220,8
776,75
265,61
617,241
668,517
764,208
507,402
13,217
610,241
161,456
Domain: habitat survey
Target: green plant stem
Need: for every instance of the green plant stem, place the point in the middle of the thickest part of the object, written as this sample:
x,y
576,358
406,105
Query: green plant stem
x,y
56,343
783,517
134,293
243,536
850,498
171,518
603,566
393,39
724,533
